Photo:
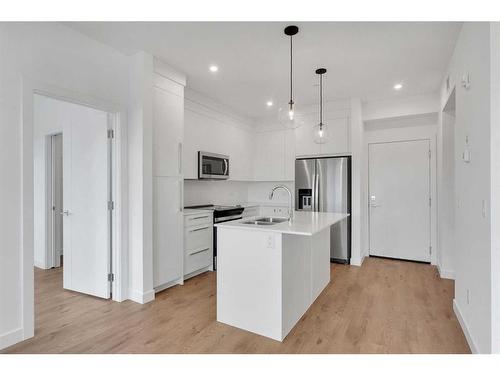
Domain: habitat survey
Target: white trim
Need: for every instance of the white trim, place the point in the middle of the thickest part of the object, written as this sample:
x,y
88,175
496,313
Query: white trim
x,y
41,265
461,319
445,274
10,338
140,297
358,262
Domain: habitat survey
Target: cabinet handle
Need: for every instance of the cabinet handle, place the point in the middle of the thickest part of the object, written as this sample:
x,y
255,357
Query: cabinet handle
x,y
200,251
179,160
198,229
199,217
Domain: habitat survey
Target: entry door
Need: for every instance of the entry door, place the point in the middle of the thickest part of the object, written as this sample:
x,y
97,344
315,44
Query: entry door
x,y
399,179
86,194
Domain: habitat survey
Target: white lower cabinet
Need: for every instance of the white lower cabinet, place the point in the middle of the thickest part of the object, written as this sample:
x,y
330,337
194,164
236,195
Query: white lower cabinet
x,y
198,243
167,232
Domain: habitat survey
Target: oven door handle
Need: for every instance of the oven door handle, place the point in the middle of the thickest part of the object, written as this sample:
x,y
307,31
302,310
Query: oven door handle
x,y
226,167
228,218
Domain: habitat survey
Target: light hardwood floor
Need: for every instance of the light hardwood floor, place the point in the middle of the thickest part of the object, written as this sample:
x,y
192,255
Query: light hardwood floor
x,y
385,306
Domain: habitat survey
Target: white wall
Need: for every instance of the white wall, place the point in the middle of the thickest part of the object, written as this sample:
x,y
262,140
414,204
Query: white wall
x,y
140,159
415,105
446,190
357,190
472,260
53,56
495,185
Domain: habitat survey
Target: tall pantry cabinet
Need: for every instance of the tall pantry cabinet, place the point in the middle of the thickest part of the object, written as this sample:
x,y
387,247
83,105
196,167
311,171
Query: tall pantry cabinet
x,y
168,134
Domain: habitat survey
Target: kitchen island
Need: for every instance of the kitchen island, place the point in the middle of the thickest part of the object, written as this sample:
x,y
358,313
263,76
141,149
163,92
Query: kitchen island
x,y
269,274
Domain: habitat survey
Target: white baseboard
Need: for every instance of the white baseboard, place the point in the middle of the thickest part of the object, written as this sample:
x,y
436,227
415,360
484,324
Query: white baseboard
x,y
358,261
445,274
41,265
141,297
11,338
458,313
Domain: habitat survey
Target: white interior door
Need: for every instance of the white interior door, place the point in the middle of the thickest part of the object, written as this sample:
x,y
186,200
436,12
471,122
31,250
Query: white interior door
x,y
399,179
86,194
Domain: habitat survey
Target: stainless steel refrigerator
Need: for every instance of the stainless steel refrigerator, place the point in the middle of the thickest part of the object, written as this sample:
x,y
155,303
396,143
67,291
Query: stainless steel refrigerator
x,y
324,185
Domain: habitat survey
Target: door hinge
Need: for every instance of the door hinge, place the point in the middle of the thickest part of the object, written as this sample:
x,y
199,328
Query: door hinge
x,y
111,277
430,250
429,154
111,133
430,202
111,205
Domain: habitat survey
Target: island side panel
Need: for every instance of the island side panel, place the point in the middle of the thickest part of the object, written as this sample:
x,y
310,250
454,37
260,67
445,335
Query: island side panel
x,y
296,279
320,262
249,280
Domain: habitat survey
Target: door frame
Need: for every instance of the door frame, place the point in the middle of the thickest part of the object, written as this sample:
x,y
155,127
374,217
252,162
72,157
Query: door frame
x,y
119,265
432,187
50,251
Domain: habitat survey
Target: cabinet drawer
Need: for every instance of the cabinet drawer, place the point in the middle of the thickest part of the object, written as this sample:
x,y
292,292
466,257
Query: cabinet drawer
x,y
198,237
197,219
195,260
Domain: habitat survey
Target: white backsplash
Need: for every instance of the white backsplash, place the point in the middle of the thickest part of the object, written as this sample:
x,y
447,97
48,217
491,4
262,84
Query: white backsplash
x,y
197,192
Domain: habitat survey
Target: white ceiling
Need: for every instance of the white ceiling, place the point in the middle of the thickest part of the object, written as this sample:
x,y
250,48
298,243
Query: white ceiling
x,y
364,59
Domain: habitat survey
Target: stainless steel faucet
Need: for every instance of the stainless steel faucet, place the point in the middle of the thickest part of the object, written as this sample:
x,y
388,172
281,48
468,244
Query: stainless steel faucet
x,y
290,210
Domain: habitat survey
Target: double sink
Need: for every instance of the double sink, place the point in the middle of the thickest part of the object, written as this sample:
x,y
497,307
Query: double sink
x,y
265,221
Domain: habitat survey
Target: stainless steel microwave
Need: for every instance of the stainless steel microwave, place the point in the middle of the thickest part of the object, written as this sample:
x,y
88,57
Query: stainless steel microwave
x,y
213,166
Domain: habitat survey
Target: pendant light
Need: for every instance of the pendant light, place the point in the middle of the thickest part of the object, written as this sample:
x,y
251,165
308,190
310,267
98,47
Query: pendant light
x,y
287,116
320,131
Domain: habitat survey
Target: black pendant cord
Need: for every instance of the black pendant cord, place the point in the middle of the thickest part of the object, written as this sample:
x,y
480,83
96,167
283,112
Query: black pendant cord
x,y
321,101
291,72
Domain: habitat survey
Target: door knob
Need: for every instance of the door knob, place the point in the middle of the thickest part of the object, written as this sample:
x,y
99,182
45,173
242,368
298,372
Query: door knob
x,y
65,213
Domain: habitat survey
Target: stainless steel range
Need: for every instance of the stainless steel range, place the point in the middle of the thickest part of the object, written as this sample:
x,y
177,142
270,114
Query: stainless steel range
x,y
221,214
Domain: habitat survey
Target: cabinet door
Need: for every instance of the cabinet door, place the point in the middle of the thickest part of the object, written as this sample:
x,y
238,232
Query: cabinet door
x,y
289,155
270,156
168,128
304,143
339,142
168,230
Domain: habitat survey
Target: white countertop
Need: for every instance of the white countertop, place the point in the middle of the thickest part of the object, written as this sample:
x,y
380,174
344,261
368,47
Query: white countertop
x,y
303,223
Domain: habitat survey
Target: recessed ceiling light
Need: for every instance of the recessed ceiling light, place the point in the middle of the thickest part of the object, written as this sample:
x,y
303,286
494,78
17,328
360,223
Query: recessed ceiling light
x,y
213,68
398,86
269,103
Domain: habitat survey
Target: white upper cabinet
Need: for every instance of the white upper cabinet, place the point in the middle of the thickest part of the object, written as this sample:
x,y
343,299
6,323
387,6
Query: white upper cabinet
x,y
339,136
269,156
274,158
339,142
304,144
168,128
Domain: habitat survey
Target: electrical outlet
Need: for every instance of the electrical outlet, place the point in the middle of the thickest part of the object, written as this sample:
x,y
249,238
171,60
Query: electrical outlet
x,y
270,241
468,296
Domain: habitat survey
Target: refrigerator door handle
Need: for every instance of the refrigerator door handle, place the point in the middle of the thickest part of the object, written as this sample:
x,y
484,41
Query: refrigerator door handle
x,y
316,192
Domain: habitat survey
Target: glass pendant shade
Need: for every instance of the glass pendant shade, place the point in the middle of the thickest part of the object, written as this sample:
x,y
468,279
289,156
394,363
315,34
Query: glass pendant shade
x,y
288,118
321,134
